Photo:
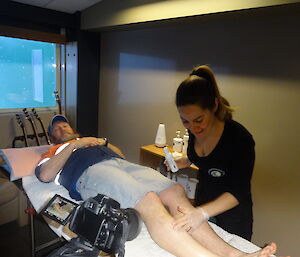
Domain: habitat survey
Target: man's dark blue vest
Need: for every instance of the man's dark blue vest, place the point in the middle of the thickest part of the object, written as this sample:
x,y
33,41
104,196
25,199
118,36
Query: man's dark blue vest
x,y
78,162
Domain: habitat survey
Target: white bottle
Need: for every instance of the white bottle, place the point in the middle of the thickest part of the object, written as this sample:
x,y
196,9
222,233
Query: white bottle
x,y
169,158
185,142
160,139
177,142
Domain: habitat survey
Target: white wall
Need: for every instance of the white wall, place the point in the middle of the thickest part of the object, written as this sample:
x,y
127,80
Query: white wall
x,y
117,13
256,60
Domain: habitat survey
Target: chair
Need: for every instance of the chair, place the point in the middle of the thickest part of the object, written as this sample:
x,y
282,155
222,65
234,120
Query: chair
x,y
13,202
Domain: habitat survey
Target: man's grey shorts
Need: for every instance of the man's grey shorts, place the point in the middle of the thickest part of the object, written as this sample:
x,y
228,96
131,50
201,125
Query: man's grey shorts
x,y
121,180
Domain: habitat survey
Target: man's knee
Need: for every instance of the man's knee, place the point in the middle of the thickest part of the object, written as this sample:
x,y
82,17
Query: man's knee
x,y
148,204
149,198
174,191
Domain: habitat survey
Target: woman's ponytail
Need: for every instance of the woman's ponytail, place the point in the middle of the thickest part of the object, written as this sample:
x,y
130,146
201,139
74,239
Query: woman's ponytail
x,y
224,111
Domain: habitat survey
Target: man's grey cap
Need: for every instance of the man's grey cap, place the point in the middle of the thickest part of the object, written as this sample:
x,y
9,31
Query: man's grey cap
x,y
56,118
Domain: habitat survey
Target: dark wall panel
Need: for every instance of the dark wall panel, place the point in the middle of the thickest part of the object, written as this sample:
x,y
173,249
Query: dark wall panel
x,y
88,83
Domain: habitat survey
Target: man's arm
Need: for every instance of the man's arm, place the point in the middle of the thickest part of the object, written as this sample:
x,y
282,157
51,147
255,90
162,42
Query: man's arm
x,y
116,150
50,168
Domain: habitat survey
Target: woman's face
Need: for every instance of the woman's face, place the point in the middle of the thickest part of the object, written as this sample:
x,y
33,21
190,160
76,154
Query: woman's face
x,y
197,120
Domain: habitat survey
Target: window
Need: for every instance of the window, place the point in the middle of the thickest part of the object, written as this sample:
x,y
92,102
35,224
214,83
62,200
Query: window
x,y
28,74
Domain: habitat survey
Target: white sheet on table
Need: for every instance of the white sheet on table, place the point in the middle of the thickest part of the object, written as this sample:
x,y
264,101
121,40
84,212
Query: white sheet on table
x,y
40,193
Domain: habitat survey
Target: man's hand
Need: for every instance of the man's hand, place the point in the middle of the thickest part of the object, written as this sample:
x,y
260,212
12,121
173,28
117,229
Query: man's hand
x,y
190,219
92,141
87,142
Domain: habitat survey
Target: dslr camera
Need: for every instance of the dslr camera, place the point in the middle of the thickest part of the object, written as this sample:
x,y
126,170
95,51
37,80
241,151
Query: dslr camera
x,y
99,222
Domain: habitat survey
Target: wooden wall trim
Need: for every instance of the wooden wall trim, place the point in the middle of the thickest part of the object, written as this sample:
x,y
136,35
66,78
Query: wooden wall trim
x,y
29,34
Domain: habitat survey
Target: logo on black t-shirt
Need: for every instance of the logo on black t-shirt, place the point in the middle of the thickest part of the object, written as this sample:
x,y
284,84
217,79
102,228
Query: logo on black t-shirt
x,y
214,172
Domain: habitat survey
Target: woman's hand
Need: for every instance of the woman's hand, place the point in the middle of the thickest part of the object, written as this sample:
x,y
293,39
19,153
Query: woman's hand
x,y
190,219
181,161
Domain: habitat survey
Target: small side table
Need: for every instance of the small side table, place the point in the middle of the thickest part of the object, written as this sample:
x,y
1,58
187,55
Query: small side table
x,y
153,156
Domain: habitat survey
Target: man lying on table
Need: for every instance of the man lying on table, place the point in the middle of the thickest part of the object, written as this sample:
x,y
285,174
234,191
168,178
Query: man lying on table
x,y
89,166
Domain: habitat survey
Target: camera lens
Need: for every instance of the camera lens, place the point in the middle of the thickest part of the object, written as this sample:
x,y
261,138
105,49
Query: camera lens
x,y
134,223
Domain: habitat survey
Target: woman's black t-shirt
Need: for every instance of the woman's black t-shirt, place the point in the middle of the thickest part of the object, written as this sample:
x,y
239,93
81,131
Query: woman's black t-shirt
x,y
228,168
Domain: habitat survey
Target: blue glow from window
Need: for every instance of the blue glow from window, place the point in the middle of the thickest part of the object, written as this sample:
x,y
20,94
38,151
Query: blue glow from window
x,y
27,73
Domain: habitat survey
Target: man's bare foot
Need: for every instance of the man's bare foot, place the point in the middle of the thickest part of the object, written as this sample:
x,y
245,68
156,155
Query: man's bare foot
x,y
267,251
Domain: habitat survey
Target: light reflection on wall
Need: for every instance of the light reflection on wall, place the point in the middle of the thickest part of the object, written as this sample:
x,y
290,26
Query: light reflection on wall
x,y
132,86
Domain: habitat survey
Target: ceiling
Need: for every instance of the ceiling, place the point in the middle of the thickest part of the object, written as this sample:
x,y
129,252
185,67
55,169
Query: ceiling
x,y
67,6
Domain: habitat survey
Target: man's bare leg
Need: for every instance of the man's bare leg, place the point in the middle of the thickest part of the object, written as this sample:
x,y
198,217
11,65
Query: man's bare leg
x,y
159,224
175,196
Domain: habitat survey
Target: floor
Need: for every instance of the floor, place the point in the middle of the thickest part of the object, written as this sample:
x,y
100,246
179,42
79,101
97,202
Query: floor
x,y
16,241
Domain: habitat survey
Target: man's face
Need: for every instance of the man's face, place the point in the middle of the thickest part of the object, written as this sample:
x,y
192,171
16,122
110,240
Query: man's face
x,y
62,132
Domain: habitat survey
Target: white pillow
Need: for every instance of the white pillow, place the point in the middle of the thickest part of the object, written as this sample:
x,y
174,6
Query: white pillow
x,y
20,162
